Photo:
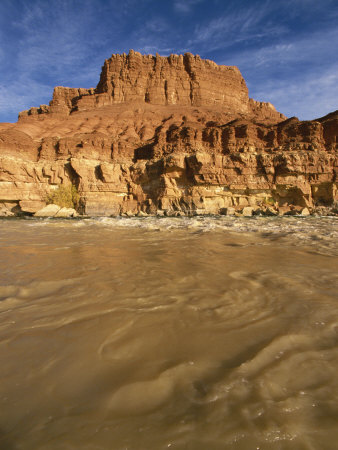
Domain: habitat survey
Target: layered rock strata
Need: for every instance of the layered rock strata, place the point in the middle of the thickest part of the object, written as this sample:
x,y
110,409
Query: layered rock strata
x,y
175,135
184,80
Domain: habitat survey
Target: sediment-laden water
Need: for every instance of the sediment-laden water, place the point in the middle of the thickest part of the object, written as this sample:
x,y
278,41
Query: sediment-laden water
x,y
204,333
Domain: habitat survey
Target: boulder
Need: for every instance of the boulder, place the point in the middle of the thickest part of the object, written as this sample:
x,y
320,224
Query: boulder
x,y
142,214
247,211
6,210
228,211
305,212
66,212
31,206
48,211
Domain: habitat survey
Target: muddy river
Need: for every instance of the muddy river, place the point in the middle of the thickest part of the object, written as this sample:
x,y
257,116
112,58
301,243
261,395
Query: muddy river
x,y
144,333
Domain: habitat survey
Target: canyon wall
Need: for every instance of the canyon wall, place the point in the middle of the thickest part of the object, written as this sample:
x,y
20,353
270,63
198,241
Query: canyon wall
x,y
184,80
168,135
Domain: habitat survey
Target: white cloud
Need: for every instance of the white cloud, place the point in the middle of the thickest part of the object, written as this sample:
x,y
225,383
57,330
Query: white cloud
x,y
152,50
54,39
307,98
312,48
156,25
52,49
299,76
22,95
236,26
153,37
185,6
65,42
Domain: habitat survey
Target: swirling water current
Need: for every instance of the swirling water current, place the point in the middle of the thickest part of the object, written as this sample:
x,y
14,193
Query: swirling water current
x,y
157,333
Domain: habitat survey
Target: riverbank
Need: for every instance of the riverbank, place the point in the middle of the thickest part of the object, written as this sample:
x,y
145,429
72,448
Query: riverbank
x,y
53,210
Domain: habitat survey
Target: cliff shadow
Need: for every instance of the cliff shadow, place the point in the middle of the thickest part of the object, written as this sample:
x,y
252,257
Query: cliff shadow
x,y
144,152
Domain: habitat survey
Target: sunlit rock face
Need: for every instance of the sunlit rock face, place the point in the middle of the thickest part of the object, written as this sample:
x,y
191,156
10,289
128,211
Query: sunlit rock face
x,y
167,135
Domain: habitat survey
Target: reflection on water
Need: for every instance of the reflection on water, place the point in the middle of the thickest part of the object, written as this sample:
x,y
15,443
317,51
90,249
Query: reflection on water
x,y
216,333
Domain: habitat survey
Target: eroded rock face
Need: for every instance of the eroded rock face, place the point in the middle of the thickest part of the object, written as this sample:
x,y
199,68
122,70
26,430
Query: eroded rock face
x,y
176,80
184,80
167,136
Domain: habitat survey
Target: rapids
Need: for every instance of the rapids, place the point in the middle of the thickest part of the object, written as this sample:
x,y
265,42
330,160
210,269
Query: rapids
x,y
147,333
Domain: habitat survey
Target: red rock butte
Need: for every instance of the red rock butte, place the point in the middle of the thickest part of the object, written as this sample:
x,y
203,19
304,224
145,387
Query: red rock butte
x,y
182,80
167,135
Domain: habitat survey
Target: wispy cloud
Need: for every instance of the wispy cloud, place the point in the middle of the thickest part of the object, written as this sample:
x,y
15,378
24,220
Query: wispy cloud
x,y
185,6
311,49
299,76
54,39
156,25
153,49
154,36
51,49
282,47
308,98
235,26
19,96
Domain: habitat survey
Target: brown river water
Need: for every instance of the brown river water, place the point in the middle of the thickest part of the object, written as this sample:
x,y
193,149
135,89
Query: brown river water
x,y
145,333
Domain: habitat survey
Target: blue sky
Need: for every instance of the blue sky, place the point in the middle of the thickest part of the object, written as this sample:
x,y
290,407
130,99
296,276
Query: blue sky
x,y
285,49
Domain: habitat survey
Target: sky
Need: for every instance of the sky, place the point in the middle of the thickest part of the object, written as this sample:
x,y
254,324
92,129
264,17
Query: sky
x,y
287,50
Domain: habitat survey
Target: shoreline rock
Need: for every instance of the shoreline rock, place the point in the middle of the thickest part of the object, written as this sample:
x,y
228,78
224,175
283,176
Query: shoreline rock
x,y
56,211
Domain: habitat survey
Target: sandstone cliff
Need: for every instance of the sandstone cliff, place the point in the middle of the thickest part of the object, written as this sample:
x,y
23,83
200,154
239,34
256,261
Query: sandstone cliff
x,y
167,135
184,80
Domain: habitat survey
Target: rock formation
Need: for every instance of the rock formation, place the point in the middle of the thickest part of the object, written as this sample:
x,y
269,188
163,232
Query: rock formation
x,y
167,135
